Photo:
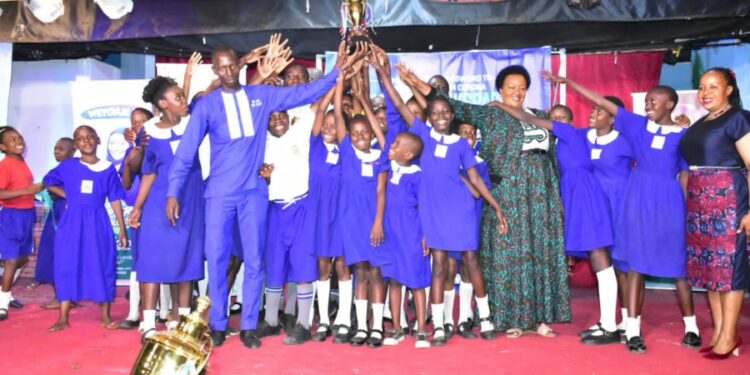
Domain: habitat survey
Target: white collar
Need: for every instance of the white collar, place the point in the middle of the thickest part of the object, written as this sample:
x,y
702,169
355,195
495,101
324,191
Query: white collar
x,y
370,157
400,169
655,128
99,166
165,133
446,139
603,140
331,146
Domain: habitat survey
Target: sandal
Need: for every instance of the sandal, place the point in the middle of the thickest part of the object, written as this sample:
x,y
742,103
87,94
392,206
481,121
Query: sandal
x,y
514,333
438,340
359,340
376,339
544,331
322,333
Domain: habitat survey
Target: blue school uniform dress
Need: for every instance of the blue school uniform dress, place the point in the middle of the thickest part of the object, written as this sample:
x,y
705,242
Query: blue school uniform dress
x,y
130,197
45,256
17,215
403,231
358,203
588,223
170,254
325,186
651,226
290,253
85,244
612,158
446,207
237,124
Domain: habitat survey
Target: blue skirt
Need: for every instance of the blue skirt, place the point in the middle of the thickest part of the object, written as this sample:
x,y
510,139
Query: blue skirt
x,y
403,237
324,195
588,223
357,211
16,232
45,255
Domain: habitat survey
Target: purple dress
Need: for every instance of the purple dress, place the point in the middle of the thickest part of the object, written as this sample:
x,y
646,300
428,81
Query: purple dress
x,y
170,254
85,245
446,207
45,258
358,203
403,231
612,158
588,224
651,226
324,188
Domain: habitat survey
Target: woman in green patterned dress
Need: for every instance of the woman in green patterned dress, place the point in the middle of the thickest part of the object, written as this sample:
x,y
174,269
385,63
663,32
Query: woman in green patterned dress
x,y
525,270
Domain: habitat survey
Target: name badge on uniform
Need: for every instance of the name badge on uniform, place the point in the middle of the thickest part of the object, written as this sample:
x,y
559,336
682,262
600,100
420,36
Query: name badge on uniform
x,y
174,145
441,151
332,158
396,178
596,153
87,187
658,142
367,170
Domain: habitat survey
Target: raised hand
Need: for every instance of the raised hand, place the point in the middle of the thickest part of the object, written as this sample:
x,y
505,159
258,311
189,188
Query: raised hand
x,y
266,66
358,54
283,61
275,46
551,77
254,55
130,135
195,61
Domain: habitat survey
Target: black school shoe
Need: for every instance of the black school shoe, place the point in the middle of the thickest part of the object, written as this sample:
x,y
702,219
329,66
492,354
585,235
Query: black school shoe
x,y
438,341
449,331
358,339
376,339
218,337
341,338
322,333
15,304
465,331
298,335
636,345
603,338
487,335
128,324
287,321
588,331
691,341
264,329
3,314
250,339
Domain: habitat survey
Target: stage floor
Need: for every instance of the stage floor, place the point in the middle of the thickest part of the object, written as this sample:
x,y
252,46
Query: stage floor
x,y
85,348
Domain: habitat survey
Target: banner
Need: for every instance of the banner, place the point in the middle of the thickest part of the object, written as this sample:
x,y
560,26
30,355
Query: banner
x,y
106,107
471,75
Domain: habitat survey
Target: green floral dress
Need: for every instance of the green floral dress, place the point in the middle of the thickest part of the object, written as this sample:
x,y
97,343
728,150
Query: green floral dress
x,y
525,270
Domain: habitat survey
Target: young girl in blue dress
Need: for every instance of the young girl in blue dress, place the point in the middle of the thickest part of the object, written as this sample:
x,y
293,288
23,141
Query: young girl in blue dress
x,y
361,210
85,246
169,254
588,222
17,214
651,224
453,226
45,257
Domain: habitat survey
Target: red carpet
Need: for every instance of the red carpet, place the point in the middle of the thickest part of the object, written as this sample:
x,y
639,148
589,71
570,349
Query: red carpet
x,y
85,348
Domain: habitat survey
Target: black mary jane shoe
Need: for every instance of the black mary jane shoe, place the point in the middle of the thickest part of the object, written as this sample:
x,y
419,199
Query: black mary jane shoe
x,y
128,324
235,309
440,340
692,341
3,314
449,331
322,333
465,330
588,331
602,338
341,337
636,345
358,339
15,304
250,338
376,339
487,335
218,337
298,335
265,330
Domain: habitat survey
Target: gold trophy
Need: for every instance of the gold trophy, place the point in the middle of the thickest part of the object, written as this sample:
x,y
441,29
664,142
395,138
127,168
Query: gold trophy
x,y
357,14
184,351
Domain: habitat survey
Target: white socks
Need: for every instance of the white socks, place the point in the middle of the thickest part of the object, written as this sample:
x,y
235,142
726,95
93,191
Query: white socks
x,y
273,299
377,316
360,308
164,297
324,291
344,315
203,283
135,298
182,311
149,320
607,299
624,316
404,322
633,329
465,292
438,313
4,300
483,306
691,325
448,297
304,303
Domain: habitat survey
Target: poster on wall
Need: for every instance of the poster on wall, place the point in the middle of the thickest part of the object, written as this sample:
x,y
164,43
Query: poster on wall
x,y
106,107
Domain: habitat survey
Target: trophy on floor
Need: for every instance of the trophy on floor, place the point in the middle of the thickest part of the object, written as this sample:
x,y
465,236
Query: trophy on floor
x,y
355,15
183,351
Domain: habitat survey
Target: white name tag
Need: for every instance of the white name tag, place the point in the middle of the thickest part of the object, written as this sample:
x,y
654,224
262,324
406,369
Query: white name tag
x,y
658,142
596,153
441,151
174,145
87,187
332,158
396,178
367,170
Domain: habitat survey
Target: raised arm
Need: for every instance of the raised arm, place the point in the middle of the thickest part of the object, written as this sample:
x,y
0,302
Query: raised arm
x,y
415,85
586,93
320,108
523,116
391,92
338,111
363,96
195,61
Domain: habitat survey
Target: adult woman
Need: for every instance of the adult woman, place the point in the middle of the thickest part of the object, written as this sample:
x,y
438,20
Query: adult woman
x,y
525,270
717,148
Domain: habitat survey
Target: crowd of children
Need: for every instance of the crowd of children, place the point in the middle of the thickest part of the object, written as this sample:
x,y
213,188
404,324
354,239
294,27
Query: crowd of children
x,y
315,184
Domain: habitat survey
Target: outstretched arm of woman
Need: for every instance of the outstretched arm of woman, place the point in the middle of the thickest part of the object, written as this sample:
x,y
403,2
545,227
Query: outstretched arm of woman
x,y
585,92
523,116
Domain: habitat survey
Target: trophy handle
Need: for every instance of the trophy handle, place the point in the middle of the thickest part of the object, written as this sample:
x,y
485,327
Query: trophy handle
x,y
206,348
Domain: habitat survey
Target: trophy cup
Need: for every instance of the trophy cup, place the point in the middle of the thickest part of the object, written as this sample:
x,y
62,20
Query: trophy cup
x,y
355,14
184,351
